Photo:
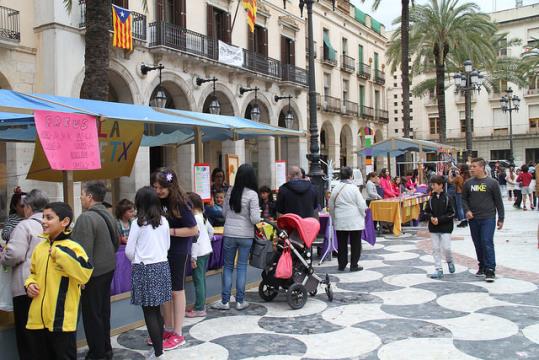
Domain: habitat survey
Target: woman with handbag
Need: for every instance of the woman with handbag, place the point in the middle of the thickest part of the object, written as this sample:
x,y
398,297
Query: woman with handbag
x,y
241,211
347,209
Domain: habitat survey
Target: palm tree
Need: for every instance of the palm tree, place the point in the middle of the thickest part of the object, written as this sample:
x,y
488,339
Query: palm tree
x,y
441,31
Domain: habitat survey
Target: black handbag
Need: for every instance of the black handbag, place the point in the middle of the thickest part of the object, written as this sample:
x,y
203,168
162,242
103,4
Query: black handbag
x,y
261,253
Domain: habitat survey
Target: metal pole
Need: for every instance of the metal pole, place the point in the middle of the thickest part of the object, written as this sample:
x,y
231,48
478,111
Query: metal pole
x,y
315,170
468,114
511,153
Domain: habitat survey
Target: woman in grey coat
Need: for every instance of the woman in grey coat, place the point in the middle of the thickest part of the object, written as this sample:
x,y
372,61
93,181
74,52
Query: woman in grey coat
x,y
241,211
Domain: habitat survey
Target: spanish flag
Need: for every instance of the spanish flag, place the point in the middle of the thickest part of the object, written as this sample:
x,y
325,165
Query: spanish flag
x,y
250,6
122,23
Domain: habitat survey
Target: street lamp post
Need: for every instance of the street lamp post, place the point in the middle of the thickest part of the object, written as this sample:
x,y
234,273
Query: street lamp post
x,y
289,117
215,106
470,80
510,102
160,97
255,109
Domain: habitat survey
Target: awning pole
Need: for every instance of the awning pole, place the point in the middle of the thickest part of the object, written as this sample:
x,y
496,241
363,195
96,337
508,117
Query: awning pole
x,y
198,146
69,197
420,165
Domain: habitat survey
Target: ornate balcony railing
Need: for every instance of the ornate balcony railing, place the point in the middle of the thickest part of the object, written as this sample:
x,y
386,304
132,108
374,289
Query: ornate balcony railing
x,y
379,77
382,116
327,58
179,38
261,64
9,24
347,63
294,74
367,112
138,25
363,71
350,108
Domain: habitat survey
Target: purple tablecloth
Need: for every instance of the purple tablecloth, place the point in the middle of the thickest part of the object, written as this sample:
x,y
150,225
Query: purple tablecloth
x,y
121,282
216,260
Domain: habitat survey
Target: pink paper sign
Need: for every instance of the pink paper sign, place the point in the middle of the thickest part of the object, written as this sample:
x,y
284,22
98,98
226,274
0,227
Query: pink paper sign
x,y
69,140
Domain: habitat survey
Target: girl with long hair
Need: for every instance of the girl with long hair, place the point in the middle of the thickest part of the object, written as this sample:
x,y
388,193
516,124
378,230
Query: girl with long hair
x,y
241,212
147,248
183,227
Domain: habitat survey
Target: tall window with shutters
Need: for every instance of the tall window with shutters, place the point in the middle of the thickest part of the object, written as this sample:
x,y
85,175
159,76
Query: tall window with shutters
x,y
218,26
171,12
257,41
288,51
121,3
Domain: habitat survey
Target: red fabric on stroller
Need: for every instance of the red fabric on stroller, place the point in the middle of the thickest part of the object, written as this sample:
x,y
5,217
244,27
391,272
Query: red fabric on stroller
x,y
307,228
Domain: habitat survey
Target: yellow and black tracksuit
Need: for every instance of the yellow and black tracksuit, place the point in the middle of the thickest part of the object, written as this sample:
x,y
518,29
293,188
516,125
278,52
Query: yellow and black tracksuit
x,y
59,267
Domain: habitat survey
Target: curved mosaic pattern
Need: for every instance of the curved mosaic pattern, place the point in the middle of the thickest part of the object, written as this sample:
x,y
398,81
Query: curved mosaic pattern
x,y
390,310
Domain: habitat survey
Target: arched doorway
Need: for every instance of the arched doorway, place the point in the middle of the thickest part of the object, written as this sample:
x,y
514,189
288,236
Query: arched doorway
x,y
287,145
346,146
327,144
252,148
378,136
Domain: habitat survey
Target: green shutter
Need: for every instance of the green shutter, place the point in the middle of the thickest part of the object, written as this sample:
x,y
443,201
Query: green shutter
x,y
360,16
331,51
360,57
376,26
361,97
375,61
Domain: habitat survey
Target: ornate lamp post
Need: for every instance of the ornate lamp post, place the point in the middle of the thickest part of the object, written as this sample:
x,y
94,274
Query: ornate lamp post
x,y
510,102
289,117
160,98
255,109
470,80
215,106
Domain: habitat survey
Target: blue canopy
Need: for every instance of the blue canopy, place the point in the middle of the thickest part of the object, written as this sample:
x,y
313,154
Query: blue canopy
x,y
398,146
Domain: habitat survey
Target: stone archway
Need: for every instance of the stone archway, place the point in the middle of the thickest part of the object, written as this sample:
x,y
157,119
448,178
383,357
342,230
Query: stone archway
x,y
287,148
380,160
346,151
327,144
4,83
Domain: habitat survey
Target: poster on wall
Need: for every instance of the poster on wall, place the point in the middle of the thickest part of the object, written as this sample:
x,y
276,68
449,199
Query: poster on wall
x,y
202,181
68,140
280,173
232,163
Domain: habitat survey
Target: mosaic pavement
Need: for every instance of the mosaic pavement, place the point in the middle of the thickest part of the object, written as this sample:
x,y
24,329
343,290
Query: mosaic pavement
x,y
391,310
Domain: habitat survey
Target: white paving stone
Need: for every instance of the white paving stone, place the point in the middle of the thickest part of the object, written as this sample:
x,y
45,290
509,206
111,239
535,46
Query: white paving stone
x,y
406,296
358,276
344,343
348,315
225,326
407,280
372,264
281,308
474,327
507,286
376,246
399,256
275,357
532,333
400,248
422,349
427,258
211,351
470,301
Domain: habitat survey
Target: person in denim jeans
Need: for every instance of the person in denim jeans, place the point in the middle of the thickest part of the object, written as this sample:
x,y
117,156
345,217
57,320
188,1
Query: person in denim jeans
x,y
241,211
481,199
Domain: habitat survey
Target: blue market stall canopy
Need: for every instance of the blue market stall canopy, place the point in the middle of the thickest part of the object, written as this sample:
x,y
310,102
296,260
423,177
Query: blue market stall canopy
x,y
398,146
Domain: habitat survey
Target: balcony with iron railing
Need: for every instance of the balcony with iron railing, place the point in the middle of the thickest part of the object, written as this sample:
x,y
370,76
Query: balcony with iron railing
x,y
179,38
350,108
363,71
138,22
347,63
261,64
9,24
379,77
294,74
367,112
328,103
329,57
382,116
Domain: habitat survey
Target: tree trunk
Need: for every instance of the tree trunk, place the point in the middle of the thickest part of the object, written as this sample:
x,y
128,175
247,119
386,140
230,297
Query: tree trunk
x,y
405,66
96,57
440,97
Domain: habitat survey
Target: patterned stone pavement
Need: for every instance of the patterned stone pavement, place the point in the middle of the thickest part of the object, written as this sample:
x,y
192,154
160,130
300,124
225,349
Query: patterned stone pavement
x,y
391,310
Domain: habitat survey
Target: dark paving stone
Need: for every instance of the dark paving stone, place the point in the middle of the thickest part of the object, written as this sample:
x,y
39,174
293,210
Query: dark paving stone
x,y
118,354
369,286
136,340
344,298
464,276
410,262
442,288
253,309
429,310
390,330
373,355
302,325
367,256
529,298
251,345
521,315
398,270
514,347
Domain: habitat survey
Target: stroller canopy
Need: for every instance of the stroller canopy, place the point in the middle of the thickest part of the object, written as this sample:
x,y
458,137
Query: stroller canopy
x,y
307,228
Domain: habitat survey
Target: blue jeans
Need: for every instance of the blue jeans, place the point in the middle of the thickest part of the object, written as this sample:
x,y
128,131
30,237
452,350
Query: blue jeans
x,y
483,239
231,246
460,209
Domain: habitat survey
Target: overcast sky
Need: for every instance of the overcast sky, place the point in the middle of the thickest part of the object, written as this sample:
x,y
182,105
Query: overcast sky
x,y
388,9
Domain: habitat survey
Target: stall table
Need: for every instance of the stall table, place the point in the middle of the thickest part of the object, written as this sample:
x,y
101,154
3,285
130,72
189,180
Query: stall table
x,y
397,210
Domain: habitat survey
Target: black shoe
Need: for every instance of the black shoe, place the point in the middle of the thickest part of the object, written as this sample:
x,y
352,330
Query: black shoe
x,y
356,268
341,269
463,224
480,273
490,276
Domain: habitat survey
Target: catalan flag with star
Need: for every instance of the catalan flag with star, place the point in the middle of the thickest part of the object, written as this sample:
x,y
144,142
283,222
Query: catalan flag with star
x,y
122,24
250,6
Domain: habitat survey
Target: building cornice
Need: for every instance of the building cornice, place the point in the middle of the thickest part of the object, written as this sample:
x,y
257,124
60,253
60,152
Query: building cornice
x,y
55,26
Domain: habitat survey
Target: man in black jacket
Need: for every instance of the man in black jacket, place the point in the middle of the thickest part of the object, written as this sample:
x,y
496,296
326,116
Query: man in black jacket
x,y
440,212
297,196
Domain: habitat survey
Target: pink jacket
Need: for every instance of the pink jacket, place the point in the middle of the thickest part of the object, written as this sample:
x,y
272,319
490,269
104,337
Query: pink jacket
x,y
388,188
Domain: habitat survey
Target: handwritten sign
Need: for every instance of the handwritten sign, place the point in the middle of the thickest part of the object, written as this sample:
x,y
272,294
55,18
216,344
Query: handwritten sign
x,y
280,173
69,140
118,146
202,185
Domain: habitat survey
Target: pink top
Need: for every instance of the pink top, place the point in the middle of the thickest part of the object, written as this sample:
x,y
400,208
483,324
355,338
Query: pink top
x,y
386,184
411,185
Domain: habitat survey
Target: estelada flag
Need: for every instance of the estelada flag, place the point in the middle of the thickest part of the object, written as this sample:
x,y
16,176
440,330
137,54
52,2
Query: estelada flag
x,y
250,6
122,24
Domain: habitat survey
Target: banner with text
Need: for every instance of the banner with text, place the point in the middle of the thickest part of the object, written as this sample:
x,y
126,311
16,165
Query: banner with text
x,y
230,55
118,146
280,173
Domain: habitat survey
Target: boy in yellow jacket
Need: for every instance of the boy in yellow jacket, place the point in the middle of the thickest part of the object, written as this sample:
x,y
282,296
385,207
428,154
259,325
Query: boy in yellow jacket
x,y
59,269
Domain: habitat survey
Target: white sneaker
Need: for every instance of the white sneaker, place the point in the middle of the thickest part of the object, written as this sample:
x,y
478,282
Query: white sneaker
x,y
243,305
220,306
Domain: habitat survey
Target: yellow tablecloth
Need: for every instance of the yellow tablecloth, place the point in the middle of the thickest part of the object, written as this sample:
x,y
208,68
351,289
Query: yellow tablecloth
x,y
397,211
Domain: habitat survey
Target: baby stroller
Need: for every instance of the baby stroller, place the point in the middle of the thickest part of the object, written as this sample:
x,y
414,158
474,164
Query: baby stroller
x,y
297,234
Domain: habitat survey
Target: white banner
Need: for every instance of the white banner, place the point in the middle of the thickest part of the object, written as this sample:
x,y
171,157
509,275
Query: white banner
x,y
230,55
280,173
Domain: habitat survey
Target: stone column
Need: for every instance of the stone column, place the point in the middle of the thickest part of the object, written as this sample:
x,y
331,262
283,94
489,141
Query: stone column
x,y
234,147
266,161
184,160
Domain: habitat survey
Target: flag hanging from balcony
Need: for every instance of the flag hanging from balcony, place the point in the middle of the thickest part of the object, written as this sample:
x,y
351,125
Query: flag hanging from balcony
x,y
122,24
250,6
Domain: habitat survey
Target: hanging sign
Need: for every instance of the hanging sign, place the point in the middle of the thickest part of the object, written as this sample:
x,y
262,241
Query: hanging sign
x,y
202,183
280,173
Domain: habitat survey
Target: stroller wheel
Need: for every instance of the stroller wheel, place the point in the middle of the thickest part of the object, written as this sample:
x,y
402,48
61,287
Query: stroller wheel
x,y
267,292
296,296
313,293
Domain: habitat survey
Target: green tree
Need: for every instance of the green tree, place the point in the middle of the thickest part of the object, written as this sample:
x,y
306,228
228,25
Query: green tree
x,y
441,31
